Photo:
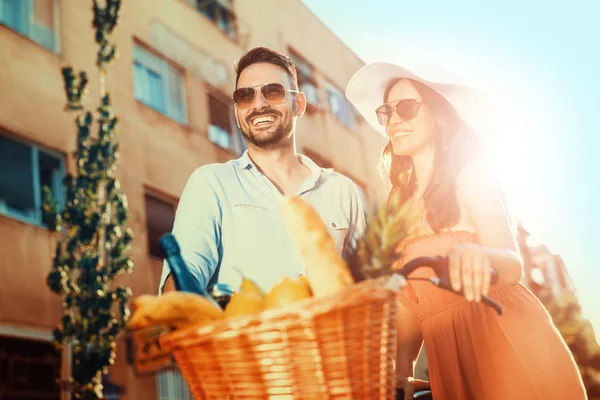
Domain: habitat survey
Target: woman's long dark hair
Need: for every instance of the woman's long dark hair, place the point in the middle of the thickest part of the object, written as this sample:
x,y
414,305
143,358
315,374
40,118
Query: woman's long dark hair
x,y
455,145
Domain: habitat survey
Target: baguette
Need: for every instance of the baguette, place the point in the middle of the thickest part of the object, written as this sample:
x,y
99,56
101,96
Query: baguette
x,y
326,271
142,305
174,309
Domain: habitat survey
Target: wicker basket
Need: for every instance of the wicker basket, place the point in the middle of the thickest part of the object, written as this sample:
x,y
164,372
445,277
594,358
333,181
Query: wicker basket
x,y
336,347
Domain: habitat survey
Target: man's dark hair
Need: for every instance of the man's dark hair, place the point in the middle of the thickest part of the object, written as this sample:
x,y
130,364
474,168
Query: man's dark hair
x,y
265,55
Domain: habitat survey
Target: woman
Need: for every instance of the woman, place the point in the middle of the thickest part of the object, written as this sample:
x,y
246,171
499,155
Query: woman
x,y
434,157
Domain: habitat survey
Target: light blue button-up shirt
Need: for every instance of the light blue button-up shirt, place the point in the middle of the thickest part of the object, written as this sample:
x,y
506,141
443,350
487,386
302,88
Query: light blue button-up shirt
x,y
229,222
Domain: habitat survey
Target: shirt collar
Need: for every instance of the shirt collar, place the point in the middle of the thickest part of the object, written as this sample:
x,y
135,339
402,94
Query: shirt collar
x,y
315,173
245,162
312,166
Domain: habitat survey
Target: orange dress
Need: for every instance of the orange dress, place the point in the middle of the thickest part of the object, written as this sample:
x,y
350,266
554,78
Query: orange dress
x,y
474,353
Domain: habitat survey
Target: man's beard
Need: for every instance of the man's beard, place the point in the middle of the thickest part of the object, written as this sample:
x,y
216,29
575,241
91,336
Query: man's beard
x,y
271,139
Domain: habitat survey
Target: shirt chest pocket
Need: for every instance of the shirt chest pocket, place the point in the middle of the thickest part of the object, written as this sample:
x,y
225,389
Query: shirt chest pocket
x,y
338,228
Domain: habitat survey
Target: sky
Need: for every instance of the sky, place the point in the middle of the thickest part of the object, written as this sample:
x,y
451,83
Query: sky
x,y
538,62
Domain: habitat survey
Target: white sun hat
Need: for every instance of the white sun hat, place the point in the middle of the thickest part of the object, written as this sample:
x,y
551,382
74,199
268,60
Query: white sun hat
x,y
367,86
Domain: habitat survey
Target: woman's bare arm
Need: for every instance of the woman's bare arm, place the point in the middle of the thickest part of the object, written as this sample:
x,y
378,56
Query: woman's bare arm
x,y
480,194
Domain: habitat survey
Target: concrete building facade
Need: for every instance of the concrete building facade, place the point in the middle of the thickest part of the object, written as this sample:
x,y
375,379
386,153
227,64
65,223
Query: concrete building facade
x,y
171,87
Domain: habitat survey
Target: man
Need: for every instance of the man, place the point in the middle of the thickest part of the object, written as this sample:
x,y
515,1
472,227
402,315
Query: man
x,y
228,222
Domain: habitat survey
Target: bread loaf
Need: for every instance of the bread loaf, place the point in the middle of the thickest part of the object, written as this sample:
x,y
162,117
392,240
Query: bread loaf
x,y
173,309
326,270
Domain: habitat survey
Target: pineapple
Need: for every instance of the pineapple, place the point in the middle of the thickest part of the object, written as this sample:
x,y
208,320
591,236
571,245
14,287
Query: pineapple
x,y
372,255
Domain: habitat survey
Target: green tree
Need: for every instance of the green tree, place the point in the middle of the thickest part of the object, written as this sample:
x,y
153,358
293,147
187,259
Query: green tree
x,y
578,334
566,313
93,244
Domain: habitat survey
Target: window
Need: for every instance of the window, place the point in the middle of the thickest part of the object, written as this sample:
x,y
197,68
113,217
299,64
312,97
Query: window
x,y
35,19
220,12
341,107
219,131
158,84
24,170
29,369
223,130
160,216
306,80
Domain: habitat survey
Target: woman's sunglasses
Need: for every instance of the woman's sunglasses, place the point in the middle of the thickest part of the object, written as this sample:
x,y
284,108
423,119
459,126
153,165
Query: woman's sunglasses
x,y
273,93
406,109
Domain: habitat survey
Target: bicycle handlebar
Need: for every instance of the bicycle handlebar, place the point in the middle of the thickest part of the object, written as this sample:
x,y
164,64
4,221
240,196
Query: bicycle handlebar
x,y
440,266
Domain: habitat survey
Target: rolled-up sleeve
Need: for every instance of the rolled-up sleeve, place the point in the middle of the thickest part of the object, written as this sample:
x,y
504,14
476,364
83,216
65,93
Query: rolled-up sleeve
x,y
197,229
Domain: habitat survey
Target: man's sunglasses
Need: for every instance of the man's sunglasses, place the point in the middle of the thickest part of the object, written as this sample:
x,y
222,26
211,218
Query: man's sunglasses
x,y
273,93
406,109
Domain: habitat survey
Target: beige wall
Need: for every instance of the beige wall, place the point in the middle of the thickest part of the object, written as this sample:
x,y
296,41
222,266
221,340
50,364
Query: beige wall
x,y
157,153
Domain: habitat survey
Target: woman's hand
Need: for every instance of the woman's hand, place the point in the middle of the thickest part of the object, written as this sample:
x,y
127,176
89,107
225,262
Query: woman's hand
x,y
470,270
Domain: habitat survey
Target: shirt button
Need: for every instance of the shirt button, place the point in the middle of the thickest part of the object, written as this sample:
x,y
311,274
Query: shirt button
x,y
333,224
